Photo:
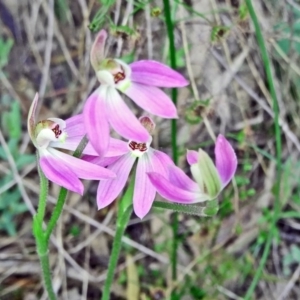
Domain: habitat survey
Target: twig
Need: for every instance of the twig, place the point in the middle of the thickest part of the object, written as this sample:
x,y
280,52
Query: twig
x,y
148,31
260,101
48,49
16,174
287,289
191,76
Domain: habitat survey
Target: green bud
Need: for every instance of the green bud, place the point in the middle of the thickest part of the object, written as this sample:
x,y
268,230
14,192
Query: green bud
x,y
206,175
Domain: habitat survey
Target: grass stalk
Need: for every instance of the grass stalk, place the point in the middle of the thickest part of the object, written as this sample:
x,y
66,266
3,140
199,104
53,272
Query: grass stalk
x,y
270,80
172,54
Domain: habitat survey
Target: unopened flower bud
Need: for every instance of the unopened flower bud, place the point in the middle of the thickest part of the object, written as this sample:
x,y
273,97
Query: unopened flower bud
x,y
206,175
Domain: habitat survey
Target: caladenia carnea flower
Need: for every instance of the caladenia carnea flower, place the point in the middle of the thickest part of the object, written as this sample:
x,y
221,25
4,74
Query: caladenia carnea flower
x,y
139,81
61,168
209,179
148,159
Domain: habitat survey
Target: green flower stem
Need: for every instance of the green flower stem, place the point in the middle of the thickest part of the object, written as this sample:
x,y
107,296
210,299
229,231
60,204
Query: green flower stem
x,y
56,213
44,186
209,210
44,260
268,70
41,244
123,216
41,237
172,53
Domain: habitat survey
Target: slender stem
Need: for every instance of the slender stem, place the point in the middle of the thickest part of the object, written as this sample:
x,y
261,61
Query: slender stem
x,y
270,80
123,216
42,251
116,248
172,53
202,211
44,186
56,213
41,245
44,260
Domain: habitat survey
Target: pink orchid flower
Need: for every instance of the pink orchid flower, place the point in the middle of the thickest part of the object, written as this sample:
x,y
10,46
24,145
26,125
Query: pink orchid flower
x,y
148,159
59,167
139,81
210,179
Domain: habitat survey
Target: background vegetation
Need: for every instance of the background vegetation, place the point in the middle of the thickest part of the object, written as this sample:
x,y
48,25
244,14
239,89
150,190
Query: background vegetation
x,y
44,47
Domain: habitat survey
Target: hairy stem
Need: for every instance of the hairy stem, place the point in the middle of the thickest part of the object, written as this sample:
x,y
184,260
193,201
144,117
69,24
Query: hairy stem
x,y
41,244
116,248
44,185
209,210
56,213
123,216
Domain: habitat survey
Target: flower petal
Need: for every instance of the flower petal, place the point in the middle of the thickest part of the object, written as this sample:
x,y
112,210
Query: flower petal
x,y
144,191
152,99
75,126
109,190
192,157
97,51
154,73
123,120
95,120
56,171
116,147
160,162
72,144
173,193
81,168
180,179
100,161
226,161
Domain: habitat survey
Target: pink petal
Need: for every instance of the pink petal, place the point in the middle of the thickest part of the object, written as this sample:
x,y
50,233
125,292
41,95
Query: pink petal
x,y
72,144
109,190
226,161
81,168
160,162
192,157
154,73
123,120
152,99
116,147
95,121
97,51
144,192
173,193
100,161
56,171
75,126
180,179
